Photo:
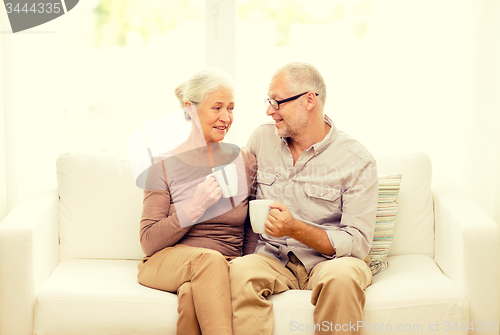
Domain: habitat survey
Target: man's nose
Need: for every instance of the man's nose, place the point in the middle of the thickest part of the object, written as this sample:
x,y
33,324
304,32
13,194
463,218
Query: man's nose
x,y
270,110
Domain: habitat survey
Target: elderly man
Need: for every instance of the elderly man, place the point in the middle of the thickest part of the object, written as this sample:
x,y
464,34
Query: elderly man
x,y
320,228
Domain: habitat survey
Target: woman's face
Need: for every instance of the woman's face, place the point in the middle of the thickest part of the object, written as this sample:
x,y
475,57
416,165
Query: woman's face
x,y
216,114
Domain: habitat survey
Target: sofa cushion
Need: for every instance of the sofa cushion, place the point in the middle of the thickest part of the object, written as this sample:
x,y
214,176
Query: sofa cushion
x,y
412,291
102,297
99,208
414,227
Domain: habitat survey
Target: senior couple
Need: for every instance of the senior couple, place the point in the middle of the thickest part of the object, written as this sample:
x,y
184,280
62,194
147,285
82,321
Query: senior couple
x,y
319,230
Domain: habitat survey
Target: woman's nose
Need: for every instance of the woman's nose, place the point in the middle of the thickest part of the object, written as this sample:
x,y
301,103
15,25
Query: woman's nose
x,y
224,117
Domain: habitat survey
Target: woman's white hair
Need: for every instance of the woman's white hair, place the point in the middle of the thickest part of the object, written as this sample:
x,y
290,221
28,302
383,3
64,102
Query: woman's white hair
x,y
302,77
200,84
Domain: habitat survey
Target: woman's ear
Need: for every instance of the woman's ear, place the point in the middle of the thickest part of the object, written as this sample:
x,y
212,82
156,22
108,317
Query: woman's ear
x,y
189,108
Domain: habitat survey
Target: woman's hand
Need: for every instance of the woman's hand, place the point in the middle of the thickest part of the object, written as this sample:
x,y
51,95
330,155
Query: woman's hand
x,y
206,194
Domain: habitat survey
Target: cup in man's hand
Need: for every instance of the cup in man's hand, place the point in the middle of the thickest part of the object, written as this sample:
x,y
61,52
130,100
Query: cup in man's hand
x,y
259,211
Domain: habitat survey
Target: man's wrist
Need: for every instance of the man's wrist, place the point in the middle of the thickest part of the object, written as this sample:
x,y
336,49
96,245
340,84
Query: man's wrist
x,y
312,237
298,229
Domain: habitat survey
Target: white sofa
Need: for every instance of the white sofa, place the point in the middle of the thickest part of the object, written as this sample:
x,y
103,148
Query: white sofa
x,y
69,255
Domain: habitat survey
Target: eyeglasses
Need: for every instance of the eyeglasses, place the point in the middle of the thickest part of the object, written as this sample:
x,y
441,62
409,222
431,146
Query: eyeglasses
x,y
276,103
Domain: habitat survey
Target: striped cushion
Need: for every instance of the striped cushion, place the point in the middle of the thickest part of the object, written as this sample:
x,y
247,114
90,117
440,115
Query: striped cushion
x,y
388,190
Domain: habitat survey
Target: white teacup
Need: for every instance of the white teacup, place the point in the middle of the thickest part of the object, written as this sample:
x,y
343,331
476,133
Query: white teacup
x,y
229,184
259,211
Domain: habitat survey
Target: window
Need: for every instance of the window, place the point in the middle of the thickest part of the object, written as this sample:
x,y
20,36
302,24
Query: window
x,y
120,63
121,60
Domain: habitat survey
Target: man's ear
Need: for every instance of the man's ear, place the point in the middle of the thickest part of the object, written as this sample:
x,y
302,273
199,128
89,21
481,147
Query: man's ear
x,y
311,100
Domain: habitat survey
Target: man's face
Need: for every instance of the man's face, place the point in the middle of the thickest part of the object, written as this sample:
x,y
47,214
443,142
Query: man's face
x,y
291,118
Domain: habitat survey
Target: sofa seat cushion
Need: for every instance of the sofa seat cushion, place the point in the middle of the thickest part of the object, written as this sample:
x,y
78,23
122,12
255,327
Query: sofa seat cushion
x,y
412,290
98,297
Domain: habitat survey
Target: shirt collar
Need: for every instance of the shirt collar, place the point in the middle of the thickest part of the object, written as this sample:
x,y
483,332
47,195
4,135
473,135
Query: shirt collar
x,y
329,138
320,146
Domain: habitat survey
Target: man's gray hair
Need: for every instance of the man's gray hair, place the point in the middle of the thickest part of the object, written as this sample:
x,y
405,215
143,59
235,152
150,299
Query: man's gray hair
x,y
200,84
302,77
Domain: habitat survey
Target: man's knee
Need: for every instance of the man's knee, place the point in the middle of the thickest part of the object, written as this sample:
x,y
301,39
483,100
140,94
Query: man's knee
x,y
341,272
238,268
243,269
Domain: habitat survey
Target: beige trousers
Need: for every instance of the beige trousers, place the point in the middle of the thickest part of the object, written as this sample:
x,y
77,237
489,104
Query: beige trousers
x,y
337,292
200,278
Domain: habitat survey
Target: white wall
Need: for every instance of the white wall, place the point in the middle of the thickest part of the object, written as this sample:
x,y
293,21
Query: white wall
x,y
474,100
437,88
456,83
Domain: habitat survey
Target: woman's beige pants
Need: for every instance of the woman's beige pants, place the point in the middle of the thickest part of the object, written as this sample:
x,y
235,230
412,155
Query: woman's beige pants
x,y
200,277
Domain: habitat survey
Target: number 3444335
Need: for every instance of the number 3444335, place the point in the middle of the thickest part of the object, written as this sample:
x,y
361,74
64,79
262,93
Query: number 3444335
x,y
33,8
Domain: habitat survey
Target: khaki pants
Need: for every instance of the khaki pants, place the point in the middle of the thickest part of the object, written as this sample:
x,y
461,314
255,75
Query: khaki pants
x,y
337,291
200,278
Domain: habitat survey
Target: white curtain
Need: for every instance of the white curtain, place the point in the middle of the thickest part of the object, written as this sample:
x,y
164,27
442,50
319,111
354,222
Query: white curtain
x,y
3,179
31,137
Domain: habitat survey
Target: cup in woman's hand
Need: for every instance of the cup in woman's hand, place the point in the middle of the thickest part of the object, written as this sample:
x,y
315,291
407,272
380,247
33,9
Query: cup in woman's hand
x,y
227,178
259,211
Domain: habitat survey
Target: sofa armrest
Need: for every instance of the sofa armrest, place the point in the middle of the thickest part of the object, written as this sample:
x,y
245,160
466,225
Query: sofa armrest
x,y
467,249
28,254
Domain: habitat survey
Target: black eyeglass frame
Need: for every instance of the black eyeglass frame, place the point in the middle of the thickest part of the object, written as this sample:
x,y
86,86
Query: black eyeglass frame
x,y
285,100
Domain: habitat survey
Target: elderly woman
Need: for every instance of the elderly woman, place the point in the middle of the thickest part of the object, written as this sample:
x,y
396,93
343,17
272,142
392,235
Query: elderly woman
x,y
188,232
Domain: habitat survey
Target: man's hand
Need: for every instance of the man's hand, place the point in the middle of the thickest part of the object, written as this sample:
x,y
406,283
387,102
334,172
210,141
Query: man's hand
x,y
280,221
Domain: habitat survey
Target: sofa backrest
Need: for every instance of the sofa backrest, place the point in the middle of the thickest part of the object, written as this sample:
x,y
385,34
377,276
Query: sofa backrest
x,y
414,228
100,206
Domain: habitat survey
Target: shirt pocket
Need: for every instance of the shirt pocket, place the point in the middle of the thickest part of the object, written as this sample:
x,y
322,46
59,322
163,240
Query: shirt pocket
x,y
324,201
265,182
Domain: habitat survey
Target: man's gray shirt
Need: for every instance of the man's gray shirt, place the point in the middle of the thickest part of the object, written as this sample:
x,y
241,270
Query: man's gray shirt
x,y
332,186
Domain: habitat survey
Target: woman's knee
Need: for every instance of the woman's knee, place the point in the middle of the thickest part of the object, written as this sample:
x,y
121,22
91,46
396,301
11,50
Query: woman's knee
x,y
211,259
184,290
